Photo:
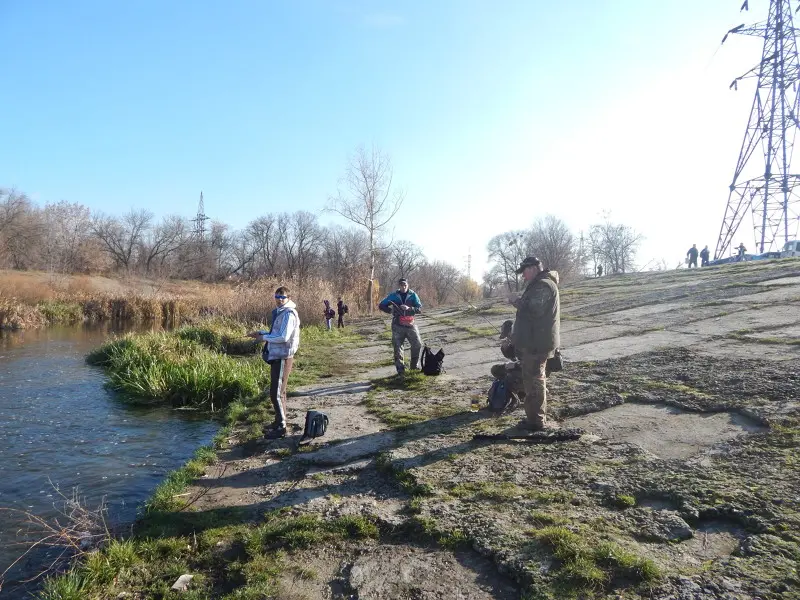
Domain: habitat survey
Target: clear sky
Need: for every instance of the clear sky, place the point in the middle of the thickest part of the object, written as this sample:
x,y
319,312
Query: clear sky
x,y
494,113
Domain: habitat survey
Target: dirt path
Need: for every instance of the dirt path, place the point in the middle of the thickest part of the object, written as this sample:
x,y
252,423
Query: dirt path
x,y
685,384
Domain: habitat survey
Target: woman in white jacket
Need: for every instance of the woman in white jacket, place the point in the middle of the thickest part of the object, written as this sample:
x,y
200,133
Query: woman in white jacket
x,y
282,341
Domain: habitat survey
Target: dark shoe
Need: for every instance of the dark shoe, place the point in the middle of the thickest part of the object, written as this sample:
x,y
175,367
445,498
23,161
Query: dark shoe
x,y
277,433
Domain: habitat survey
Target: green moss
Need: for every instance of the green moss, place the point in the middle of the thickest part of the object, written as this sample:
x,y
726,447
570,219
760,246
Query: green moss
x,y
624,501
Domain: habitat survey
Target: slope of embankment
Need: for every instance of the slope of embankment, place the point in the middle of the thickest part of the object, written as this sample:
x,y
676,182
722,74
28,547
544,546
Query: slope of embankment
x,y
685,483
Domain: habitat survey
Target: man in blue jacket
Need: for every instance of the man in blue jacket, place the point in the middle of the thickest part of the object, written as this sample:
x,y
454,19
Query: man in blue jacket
x,y
403,304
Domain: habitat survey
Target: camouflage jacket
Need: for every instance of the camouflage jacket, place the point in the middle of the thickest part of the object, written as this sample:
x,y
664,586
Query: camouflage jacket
x,y
538,323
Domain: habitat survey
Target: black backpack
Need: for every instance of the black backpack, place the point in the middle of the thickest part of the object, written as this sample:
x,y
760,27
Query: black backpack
x,y
345,310
316,424
501,399
432,363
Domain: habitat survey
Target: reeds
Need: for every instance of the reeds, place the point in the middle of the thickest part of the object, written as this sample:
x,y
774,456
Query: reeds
x,y
169,368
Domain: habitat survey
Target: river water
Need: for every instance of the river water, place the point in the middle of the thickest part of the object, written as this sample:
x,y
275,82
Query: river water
x,y
60,429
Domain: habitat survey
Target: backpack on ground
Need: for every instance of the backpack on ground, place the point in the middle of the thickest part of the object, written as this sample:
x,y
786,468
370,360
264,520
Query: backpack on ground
x,y
316,424
555,364
501,398
432,363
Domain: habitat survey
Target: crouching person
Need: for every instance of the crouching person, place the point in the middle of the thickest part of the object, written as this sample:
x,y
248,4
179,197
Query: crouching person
x,y
403,304
282,341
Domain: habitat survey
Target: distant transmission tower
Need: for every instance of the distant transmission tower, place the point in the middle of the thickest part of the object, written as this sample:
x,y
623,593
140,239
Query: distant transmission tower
x,y
200,220
769,191
469,263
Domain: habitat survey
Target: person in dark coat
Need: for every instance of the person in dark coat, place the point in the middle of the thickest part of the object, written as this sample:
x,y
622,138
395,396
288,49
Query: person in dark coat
x,y
341,310
704,257
692,255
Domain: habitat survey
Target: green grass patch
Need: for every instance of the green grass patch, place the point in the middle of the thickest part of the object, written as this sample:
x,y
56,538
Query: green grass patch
x,y
221,335
163,367
307,530
594,565
404,478
167,496
624,501
320,355
392,418
59,312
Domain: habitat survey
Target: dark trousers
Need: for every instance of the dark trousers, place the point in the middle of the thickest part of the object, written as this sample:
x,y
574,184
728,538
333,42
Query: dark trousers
x,y
692,262
279,370
340,322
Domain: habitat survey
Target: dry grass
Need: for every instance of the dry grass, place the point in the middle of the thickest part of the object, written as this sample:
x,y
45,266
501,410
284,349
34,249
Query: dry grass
x,y
30,299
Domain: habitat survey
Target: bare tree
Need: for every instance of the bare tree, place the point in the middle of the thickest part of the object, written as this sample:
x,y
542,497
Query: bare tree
x,y
444,279
120,237
368,200
507,250
614,246
67,243
492,279
551,241
162,241
406,258
21,229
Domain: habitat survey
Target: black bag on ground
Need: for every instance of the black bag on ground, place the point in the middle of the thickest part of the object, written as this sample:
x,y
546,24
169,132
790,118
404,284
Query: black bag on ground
x,y
500,398
555,364
316,424
432,363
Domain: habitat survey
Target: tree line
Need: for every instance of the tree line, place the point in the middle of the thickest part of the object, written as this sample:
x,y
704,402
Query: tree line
x,y
67,237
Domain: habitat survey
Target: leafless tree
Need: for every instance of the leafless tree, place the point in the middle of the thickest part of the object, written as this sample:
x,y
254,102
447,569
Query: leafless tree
x,y
444,278
507,250
67,244
368,200
300,236
406,258
553,243
614,246
492,279
163,241
121,237
21,230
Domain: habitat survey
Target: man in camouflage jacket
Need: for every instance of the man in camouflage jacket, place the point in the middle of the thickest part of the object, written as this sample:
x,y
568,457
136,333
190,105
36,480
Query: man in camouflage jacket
x,y
536,336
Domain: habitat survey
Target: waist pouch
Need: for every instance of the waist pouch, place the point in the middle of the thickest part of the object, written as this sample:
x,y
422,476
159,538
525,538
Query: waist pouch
x,y
406,320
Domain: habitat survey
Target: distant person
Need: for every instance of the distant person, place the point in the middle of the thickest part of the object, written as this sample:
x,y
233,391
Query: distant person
x,y
535,337
282,341
740,251
692,256
403,304
341,310
329,313
704,257
599,270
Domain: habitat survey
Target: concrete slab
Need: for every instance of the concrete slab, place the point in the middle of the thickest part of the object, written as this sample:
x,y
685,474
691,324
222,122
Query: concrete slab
x,y
782,281
629,345
754,318
789,293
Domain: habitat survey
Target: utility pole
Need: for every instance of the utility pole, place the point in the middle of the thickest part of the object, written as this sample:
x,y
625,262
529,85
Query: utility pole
x,y
763,183
200,220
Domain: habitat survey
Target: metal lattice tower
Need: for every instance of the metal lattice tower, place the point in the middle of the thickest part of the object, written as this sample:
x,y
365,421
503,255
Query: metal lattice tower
x,y
762,182
200,220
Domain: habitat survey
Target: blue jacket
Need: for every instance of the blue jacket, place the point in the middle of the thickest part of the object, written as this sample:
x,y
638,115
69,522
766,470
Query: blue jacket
x,y
391,304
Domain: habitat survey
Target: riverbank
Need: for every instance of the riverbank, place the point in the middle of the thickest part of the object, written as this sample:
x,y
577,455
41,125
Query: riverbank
x,y
683,482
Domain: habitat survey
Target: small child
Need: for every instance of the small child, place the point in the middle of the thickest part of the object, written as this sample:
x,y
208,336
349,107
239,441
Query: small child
x,y
329,314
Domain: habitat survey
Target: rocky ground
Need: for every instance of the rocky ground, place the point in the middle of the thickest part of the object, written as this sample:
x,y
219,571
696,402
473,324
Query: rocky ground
x,y
684,482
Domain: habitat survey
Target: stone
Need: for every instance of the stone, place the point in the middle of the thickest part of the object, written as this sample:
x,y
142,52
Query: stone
x,y
182,583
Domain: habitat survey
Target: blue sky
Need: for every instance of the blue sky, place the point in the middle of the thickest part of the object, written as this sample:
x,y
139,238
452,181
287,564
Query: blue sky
x,y
494,113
